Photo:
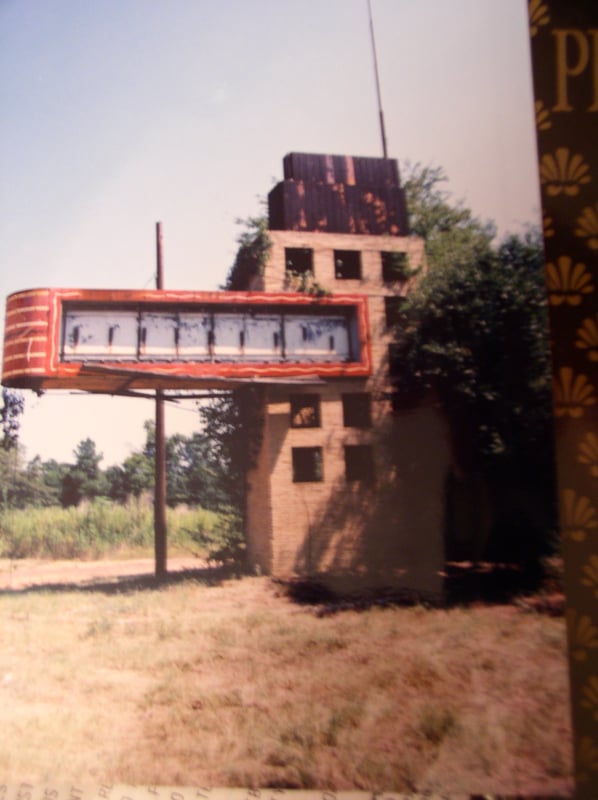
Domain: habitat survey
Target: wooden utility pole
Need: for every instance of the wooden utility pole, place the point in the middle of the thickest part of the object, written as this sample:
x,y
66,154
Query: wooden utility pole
x,y
160,532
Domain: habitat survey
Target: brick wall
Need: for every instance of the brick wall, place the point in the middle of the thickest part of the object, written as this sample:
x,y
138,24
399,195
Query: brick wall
x,y
381,529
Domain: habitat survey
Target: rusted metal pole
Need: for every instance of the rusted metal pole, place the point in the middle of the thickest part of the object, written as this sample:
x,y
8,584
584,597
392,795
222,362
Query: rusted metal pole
x,y
160,532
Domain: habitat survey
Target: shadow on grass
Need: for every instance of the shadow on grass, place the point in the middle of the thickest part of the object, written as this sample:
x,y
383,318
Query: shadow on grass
x,y
124,584
464,584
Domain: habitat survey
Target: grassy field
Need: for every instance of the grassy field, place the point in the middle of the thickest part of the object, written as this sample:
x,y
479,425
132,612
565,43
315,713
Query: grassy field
x,y
231,683
103,528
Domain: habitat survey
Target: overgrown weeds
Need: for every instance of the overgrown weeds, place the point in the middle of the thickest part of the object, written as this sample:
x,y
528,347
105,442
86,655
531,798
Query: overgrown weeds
x,y
102,528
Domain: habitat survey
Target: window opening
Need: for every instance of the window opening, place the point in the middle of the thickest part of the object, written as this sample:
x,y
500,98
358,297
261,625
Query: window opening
x,y
395,267
347,264
305,411
307,464
299,260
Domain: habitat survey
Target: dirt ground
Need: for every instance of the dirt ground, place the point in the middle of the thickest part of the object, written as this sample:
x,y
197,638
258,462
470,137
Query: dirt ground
x,y
21,574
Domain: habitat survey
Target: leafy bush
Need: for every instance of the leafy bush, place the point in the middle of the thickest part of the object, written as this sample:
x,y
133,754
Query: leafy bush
x,y
223,542
254,246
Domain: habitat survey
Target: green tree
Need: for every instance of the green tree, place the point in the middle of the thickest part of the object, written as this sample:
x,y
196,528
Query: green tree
x,y
233,424
138,471
474,336
116,483
35,489
53,473
204,473
23,484
131,479
176,470
84,479
11,477
254,246
13,405
149,448
453,235
192,471
142,466
20,485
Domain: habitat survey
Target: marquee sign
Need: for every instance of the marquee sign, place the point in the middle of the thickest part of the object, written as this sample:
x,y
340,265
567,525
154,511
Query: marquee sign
x,y
111,341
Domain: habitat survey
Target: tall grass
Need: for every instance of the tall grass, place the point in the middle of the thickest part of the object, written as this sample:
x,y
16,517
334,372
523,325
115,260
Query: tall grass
x,y
103,528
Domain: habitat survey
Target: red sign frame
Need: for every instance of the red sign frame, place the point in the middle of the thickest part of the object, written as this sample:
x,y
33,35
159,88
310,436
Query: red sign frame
x,y
32,342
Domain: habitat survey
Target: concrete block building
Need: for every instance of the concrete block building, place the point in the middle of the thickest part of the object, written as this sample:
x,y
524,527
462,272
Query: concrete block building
x,y
346,489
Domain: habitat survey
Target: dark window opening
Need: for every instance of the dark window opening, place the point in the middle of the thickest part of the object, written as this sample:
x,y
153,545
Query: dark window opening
x,y
357,410
393,307
305,411
359,463
347,264
307,464
395,267
299,260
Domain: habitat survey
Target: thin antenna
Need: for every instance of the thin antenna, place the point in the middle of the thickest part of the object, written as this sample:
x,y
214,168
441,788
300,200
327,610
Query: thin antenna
x,y
380,112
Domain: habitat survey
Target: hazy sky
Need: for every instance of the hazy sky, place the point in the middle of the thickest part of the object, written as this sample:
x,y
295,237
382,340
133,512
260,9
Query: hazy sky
x,y
120,113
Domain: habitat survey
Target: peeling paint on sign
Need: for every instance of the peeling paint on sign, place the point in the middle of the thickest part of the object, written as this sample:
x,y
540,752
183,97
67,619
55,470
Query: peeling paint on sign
x,y
116,341
96,334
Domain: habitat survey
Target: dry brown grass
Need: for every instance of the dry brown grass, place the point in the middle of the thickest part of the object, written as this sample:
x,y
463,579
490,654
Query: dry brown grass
x,y
234,684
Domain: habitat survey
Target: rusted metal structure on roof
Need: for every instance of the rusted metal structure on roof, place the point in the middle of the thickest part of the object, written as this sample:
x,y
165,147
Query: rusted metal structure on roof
x,y
339,194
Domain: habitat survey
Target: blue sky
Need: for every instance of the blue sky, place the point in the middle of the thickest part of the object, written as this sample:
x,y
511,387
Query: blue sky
x,y
121,113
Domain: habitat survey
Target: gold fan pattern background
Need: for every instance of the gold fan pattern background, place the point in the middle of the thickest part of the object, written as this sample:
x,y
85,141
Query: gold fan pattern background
x,y
564,43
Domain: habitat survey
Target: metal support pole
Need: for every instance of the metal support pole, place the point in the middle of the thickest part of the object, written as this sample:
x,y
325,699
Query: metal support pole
x,y
160,532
